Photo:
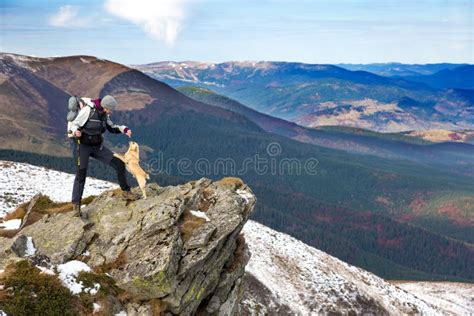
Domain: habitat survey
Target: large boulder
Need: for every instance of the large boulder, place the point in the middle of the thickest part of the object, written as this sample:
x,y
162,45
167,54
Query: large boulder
x,y
181,246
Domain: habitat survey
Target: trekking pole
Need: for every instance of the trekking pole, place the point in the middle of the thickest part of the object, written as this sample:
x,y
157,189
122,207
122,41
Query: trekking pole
x,y
78,152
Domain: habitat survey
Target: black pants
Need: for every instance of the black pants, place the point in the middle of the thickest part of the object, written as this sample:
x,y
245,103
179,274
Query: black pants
x,y
73,146
103,154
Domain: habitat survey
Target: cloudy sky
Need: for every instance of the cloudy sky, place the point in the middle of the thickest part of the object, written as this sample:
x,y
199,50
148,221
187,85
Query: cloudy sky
x,y
313,31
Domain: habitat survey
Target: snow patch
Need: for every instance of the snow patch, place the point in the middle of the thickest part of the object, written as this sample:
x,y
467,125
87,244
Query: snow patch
x,y
122,313
162,77
30,247
200,214
46,270
210,83
19,182
454,298
94,290
68,273
97,307
21,60
11,224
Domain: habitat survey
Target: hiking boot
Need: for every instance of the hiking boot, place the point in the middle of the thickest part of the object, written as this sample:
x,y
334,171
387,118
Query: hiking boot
x,y
127,195
85,219
76,210
88,225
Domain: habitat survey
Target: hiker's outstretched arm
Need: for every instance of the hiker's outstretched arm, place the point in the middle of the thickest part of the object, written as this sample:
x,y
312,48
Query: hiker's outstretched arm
x,y
81,119
114,128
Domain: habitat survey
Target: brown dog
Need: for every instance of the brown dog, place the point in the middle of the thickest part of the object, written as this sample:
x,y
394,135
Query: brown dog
x,y
132,162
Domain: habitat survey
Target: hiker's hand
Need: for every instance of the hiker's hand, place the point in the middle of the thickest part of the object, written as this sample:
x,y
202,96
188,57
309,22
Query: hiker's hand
x,y
129,133
77,133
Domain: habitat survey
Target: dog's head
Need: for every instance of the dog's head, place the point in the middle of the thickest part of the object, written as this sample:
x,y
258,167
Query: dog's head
x,y
133,147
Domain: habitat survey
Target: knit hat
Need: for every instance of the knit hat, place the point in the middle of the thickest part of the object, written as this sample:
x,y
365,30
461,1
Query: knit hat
x,y
108,102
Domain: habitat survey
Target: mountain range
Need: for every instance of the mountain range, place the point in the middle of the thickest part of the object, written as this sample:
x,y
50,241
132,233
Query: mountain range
x,y
369,210
415,146
399,69
443,76
461,78
321,95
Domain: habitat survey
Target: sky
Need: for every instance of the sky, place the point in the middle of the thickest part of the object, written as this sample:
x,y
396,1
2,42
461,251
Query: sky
x,y
311,31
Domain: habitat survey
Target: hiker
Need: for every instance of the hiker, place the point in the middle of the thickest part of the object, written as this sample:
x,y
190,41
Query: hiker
x,y
89,125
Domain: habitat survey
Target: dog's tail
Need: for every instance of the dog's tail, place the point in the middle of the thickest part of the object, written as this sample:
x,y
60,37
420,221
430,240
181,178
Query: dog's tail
x,y
147,176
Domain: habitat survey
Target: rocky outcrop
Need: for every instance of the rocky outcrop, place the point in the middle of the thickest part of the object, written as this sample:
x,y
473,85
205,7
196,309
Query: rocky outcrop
x,y
179,249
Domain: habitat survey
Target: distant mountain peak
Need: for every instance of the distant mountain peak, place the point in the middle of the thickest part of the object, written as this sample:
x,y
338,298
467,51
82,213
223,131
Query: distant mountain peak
x,y
298,92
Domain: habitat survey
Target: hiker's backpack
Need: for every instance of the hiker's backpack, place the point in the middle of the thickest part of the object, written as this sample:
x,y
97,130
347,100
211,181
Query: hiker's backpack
x,y
73,107
96,123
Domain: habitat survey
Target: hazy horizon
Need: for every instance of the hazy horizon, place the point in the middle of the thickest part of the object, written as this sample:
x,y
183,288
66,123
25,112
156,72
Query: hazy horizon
x,y
315,32
241,61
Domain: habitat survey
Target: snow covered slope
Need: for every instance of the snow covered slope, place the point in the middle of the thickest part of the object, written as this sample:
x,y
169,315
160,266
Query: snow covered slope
x,y
454,298
284,275
19,182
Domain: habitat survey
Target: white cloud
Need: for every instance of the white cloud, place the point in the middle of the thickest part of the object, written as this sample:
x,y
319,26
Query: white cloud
x,y
67,16
160,19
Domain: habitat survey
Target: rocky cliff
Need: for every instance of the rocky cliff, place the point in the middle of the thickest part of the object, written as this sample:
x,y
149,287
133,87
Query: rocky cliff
x,y
178,252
